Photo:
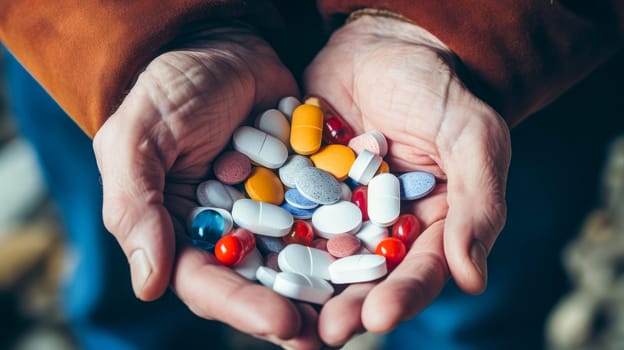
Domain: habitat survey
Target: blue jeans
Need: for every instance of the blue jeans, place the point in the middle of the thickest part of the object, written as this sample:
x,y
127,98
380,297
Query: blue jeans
x,y
97,300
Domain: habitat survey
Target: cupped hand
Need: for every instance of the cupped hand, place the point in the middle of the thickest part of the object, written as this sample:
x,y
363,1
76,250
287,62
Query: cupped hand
x,y
392,76
177,117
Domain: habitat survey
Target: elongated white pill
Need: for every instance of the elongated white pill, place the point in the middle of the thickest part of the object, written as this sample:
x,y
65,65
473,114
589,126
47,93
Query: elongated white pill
x,y
358,268
384,199
266,276
305,260
260,147
341,217
262,218
305,288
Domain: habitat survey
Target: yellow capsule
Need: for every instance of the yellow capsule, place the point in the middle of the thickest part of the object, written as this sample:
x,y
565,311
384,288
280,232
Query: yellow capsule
x,y
306,130
383,168
315,101
264,186
335,159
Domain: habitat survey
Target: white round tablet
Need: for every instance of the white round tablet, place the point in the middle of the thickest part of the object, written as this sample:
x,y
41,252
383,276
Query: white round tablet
x,y
358,268
341,217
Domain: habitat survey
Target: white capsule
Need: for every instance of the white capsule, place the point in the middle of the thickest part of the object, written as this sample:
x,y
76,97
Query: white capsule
x,y
305,260
358,268
262,218
274,123
305,288
260,147
384,199
333,219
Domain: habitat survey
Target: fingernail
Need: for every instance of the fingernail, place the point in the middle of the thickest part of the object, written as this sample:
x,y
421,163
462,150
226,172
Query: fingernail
x,y
140,270
478,254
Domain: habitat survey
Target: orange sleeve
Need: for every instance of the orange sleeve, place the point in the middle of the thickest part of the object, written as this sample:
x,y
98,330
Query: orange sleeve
x,y
518,55
85,53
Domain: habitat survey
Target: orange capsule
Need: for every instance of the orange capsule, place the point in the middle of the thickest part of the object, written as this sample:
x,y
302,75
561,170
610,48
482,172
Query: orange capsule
x,y
335,128
233,247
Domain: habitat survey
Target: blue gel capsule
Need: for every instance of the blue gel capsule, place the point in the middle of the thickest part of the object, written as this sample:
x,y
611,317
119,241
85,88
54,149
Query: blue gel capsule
x,y
302,214
297,200
207,225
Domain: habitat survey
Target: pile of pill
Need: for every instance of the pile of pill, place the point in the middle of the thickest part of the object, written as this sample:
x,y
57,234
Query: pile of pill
x,y
300,201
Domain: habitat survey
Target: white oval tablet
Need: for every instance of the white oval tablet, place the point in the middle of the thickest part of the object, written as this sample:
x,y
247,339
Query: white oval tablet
x,y
358,268
287,105
305,260
213,193
260,147
341,217
266,276
274,123
384,199
364,167
305,288
248,266
262,218
371,234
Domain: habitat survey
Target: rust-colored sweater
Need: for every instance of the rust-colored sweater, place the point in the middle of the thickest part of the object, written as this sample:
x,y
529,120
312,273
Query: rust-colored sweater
x,y
519,55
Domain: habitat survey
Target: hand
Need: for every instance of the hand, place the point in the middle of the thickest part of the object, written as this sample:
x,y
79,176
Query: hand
x,y
179,115
392,76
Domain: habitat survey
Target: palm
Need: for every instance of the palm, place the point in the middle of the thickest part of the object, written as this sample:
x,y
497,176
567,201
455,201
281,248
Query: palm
x,y
178,116
409,92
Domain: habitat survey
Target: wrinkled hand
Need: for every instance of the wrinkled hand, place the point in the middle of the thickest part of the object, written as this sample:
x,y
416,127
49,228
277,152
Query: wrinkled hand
x,y
178,116
387,75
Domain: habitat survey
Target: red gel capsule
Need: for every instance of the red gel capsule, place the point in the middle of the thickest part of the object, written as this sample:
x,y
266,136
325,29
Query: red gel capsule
x,y
407,229
301,233
335,128
233,247
359,197
393,250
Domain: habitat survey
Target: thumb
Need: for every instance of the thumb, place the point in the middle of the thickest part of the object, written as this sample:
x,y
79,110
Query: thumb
x,y
132,164
477,174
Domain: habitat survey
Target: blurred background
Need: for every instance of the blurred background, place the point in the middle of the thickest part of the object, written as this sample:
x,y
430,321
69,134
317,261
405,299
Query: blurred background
x,y
587,312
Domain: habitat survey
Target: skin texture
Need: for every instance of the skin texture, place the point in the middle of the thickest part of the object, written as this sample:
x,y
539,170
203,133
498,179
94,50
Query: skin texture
x,y
380,74
176,119
387,75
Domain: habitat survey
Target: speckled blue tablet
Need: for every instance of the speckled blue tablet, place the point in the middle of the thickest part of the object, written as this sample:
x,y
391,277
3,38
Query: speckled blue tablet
x,y
297,200
303,214
416,184
318,185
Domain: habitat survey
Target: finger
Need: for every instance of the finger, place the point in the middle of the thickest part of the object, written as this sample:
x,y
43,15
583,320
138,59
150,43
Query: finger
x,y
132,165
213,291
308,337
411,286
340,318
477,174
